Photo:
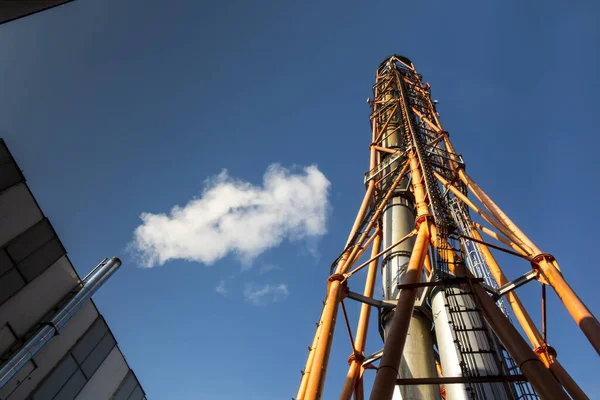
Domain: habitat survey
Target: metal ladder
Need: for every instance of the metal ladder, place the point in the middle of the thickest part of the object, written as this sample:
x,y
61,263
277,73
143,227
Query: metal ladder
x,y
478,354
473,257
435,196
476,264
468,328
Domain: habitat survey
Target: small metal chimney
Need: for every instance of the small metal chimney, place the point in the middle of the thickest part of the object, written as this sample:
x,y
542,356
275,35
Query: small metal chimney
x,y
91,283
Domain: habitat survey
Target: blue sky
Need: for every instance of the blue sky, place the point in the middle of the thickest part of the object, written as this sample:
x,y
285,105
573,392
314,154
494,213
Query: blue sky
x,y
117,109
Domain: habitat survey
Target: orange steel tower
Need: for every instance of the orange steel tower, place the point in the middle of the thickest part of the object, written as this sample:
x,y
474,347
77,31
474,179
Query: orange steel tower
x,y
444,317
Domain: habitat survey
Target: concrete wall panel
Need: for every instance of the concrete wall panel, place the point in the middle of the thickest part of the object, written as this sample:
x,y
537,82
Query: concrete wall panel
x,y
106,379
26,307
20,376
47,358
35,279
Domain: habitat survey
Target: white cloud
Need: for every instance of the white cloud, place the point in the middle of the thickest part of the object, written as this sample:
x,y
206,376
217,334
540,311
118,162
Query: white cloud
x,y
221,289
268,268
260,295
233,216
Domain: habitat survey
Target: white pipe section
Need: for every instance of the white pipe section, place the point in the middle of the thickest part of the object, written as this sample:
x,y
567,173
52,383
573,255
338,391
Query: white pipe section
x,y
450,357
445,342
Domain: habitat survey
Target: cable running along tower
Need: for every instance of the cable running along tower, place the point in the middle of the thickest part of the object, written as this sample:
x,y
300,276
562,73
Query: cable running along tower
x,y
444,319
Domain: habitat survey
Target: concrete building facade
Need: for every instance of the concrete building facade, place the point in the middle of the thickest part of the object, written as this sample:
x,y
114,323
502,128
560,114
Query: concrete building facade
x,y
83,361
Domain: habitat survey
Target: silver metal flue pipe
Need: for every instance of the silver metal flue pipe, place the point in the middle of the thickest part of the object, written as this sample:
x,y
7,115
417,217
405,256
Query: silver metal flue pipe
x,y
91,284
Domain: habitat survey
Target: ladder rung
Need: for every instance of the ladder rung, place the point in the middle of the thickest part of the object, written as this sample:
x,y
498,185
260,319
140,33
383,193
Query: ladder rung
x,y
470,329
478,352
461,379
461,293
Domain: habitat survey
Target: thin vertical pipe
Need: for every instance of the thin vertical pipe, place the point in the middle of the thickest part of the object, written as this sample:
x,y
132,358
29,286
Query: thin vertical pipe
x,y
316,378
359,392
544,337
363,324
385,380
358,220
309,362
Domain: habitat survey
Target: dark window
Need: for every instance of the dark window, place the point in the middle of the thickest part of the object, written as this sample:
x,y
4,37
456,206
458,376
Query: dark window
x,y
137,393
5,262
78,366
30,240
126,388
9,175
4,154
73,386
93,347
28,255
89,340
39,261
97,356
10,283
9,172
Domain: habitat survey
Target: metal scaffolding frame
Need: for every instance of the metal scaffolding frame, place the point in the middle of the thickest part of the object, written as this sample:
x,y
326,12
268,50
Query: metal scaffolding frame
x,y
410,150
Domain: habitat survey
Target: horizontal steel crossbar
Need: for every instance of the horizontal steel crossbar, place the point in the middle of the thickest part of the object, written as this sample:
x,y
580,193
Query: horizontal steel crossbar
x,y
460,379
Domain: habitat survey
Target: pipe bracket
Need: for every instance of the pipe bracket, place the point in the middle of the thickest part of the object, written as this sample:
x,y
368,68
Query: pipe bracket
x,y
336,277
343,283
543,256
53,326
421,218
356,357
535,260
546,349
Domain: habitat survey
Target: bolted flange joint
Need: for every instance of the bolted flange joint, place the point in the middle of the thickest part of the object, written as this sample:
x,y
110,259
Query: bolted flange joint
x,y
342,279
359,358
421,218
535,260
549,350
446,133
543,256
